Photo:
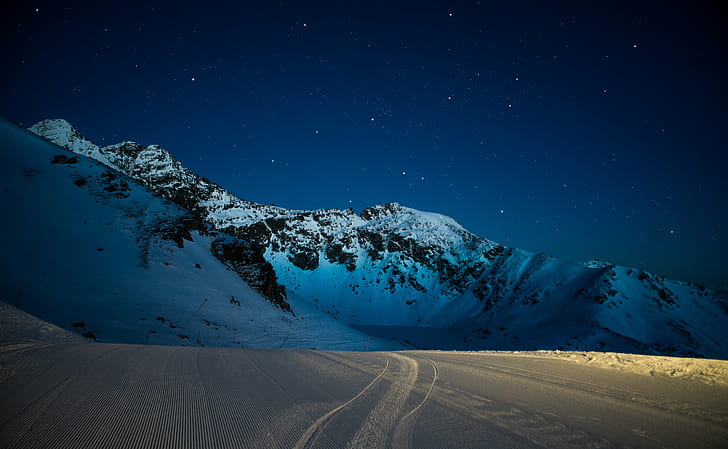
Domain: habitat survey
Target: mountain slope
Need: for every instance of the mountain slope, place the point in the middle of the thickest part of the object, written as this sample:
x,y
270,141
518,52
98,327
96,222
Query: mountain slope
x,y
393,269
95,252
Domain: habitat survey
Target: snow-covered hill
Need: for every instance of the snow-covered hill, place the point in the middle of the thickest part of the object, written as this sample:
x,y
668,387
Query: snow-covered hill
x,y
95,252
422,277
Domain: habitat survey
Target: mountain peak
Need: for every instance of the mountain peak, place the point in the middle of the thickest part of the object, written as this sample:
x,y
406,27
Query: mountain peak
x,y
62,133
397,266
54,123
378,211
423,226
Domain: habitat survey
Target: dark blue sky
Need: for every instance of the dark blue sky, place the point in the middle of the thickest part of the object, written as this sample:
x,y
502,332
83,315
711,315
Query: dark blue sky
x,y
577,130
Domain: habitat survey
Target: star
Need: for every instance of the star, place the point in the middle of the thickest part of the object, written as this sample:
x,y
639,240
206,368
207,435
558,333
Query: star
x,y
193,78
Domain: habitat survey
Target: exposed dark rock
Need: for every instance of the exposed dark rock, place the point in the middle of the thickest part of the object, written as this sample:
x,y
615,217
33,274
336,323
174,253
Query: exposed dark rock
x,y
62,159
79,180
90,335
258,233
494,252
666,295
114,184
248,262
335,253
130,150
179,229
377,212
305,258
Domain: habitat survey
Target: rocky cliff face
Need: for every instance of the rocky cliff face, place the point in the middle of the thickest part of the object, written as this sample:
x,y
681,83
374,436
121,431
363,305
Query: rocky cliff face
x,y
391,265
162,173
248,262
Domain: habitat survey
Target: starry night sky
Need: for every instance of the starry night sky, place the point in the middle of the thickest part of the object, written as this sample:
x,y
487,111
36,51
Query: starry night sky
x,y
577,130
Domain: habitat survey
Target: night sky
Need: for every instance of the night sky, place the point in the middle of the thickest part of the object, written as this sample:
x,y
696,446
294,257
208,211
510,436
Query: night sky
x,y
580,131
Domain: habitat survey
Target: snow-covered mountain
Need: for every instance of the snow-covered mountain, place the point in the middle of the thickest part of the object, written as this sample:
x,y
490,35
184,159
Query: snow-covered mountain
x,y
393,270
97,253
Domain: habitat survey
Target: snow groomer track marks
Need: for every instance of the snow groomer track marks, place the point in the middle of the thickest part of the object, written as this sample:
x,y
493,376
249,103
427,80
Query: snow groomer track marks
x,y
95,395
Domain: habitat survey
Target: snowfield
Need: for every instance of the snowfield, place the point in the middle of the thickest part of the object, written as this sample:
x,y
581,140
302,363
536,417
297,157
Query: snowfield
x,y
708,371
95,252
421,278
155,316
101,395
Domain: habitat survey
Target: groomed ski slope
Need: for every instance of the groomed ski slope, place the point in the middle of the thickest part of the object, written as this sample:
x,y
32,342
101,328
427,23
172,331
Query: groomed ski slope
x,y
58,390
96,395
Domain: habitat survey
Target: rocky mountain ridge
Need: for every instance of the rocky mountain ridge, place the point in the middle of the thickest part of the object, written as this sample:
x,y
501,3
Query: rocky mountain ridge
x,y
396,266
103,256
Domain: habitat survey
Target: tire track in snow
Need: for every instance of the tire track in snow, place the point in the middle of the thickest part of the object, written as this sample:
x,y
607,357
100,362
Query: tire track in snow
x,y
536,427
405,427
272,435
374,431
22,347
309,437
603,391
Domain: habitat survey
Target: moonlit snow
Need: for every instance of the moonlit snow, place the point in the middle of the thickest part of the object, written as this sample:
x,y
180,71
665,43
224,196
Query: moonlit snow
x,y
129,332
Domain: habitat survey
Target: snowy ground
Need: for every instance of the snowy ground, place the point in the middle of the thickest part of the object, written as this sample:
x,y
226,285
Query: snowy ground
x,y
83,247
19,327
56,392
709,371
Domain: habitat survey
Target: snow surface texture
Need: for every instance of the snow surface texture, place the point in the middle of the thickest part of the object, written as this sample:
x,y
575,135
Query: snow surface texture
x,y
81,395
393,271
95,252
21,328
708,371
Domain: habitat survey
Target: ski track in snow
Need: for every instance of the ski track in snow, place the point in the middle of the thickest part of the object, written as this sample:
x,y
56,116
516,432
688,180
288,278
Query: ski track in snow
x,y
312,433
96,395
375,429
405,427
